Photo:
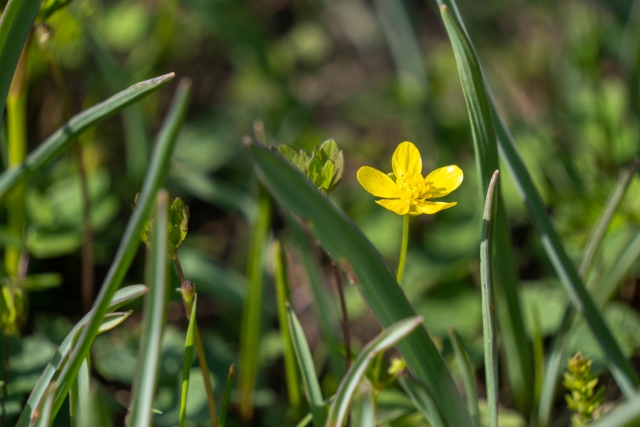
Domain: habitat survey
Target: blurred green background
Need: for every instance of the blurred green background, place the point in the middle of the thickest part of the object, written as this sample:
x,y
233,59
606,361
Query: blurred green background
x,y
369,74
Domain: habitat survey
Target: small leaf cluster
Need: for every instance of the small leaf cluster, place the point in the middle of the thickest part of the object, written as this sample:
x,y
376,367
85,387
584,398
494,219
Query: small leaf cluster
x,y
12,307
177,224
323,167
583,400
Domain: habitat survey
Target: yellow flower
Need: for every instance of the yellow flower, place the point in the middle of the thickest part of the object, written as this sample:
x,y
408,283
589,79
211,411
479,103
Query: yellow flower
x,y
410,193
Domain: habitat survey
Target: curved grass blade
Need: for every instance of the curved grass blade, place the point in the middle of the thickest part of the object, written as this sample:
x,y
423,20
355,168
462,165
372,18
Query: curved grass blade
x,y
488,303
131,240
15,24
310,383
366,268
365,407
62,139
79,395
251,312
155,311
282,295
386,339
231,376
45,409
121,297
620,368
422,399
187,362
518,361
622,416
610,206
468,376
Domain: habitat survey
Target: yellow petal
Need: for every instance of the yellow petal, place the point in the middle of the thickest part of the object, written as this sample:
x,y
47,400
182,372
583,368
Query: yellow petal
x,y
401,207
442,181
429,208
406,159
377,183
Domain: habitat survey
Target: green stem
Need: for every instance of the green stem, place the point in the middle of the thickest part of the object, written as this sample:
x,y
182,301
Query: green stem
x,y
227,394
403,249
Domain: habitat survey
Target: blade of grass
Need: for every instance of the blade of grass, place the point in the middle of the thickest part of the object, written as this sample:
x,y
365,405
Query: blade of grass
x,y
622,416
422,399
231,376
282,296
468,376
45,409
488,301
131,240
366,407
366,269
15,25
610,207
187,362
64,137
251,313
517,348
79,396
606,289
155,312
120,298
310,383
385,340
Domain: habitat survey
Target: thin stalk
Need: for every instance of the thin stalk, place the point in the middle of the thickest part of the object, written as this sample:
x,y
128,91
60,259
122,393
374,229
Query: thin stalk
x,y
227,394
403,249
7,373
346,330
188,358
202,359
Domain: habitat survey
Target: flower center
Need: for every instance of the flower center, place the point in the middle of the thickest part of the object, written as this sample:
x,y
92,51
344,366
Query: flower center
x,y
411,185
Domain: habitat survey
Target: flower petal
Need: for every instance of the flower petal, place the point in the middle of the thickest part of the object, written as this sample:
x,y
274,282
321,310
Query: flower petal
x,y
442,181
429,208
401,207
406,159
377,183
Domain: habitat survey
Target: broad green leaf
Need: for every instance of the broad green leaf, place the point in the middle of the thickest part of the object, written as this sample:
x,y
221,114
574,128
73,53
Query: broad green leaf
x,y
15,24
62,139
422,399
187,362
490,337
385,340
120,298
155,311
468,376
310,383
130,242
518,360
366,269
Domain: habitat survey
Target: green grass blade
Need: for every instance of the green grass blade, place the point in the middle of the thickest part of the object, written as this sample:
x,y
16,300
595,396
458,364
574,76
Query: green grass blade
x,y
468,376
365,407
62,139
113,320
45,409
385,340
121,297
367,270
187,362
310,383
79,396
619,270
488,302
517,348
231,376
305,420
251,312
15,24
610,206
282,296
158,167
622,416
155,312
422,399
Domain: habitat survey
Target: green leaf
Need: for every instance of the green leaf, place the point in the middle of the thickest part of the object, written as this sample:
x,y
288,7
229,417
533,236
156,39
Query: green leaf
x,y
15,24
79,396
113,320
62,139
310,383
468,376
155,311
120,298
488,302
518,361
187,362
365,406
45,409
327,175
293,156
130,242
422,399
366,269
385,340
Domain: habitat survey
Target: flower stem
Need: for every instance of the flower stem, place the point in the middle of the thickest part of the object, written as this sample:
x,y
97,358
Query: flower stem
x,y
403,249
